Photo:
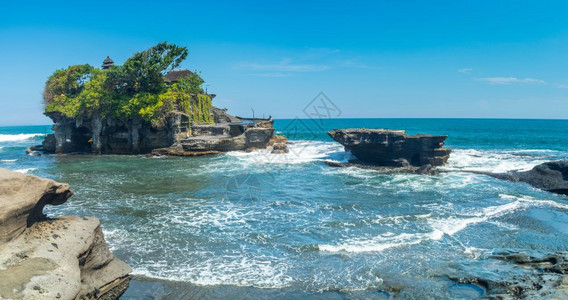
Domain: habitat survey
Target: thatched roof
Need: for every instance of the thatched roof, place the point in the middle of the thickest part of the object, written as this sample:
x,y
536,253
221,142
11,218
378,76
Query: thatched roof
x,y
174,76
107,63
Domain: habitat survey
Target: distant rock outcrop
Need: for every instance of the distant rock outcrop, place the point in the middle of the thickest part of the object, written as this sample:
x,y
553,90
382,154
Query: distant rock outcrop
x,y
218,138
550,176
43,258
393,148
279,144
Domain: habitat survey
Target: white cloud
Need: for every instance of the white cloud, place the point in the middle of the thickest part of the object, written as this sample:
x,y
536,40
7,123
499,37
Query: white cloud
x,y
465,70
511,80
284,66
352,63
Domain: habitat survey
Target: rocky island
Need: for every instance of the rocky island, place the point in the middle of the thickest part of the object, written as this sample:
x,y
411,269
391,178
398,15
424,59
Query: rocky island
x,y
143,106
392,148
45,258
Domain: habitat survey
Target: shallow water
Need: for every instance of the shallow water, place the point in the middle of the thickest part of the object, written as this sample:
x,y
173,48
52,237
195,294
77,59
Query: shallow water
x,y
259,225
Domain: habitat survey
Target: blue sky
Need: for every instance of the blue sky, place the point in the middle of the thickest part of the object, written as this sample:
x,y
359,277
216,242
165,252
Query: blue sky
x,y
385,59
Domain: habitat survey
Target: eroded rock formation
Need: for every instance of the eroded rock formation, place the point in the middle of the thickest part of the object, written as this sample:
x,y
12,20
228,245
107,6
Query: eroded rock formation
x,y
176,137
110,135
43,258
223,137
393,147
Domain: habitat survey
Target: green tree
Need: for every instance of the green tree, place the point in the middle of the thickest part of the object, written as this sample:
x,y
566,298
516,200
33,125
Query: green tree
x,y
69,82
135,89
143,72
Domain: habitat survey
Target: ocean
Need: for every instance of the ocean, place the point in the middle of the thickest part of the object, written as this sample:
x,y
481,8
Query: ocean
x,y
261,225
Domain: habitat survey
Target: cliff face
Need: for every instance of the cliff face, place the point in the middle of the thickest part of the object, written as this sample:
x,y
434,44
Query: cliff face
x,y
393,147
176,137
42,258
111,136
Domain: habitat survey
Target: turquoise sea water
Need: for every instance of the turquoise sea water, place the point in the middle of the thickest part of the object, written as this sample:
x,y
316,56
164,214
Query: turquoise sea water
x,y
258,225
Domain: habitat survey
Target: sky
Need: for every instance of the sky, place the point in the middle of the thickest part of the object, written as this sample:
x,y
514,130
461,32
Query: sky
x,y
373,59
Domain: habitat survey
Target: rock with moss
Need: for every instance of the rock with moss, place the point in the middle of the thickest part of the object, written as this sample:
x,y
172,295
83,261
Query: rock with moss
x,y
142,105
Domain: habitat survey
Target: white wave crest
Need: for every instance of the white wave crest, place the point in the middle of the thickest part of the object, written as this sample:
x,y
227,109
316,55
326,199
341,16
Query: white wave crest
x,y
440,227
299,152
18,137
7,161
494,161
263,272
377,244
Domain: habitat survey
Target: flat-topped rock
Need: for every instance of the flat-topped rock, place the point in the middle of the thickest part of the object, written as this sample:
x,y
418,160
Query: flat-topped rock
x,y
394,148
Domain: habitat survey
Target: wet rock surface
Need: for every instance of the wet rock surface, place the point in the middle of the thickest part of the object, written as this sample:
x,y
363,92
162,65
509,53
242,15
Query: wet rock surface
x,y
522,274
423,170
43,258
393,148
550,176
279,144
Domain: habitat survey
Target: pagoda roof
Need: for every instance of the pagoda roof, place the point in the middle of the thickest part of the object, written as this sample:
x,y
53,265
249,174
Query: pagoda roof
x,y
175,75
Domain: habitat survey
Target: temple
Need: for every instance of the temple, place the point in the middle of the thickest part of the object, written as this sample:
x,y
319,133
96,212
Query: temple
x,y
107,63
174,76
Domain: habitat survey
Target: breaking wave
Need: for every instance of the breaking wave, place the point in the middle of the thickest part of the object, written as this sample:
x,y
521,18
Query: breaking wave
x,y
439,227
499,161
18,137
299,152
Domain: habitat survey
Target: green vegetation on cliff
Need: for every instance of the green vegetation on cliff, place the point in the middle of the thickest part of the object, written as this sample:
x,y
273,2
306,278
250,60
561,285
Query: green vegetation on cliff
x,y
135,89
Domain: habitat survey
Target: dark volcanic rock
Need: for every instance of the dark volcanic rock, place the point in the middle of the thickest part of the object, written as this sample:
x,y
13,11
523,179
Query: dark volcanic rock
x,y
177,136
393,147
551,176
100,135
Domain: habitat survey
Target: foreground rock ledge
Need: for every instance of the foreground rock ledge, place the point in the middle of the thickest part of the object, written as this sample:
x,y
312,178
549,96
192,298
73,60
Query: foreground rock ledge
x,y
393,148
64,258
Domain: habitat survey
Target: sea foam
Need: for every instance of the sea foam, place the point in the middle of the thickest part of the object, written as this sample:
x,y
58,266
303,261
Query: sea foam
x,y
18,137
299,152
496,161
440,227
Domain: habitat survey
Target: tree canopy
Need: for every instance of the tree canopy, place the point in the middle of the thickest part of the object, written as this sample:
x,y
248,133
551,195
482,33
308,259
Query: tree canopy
x,y
135,89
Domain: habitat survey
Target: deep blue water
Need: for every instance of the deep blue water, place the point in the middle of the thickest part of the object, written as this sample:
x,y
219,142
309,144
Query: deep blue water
x,y
259,225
